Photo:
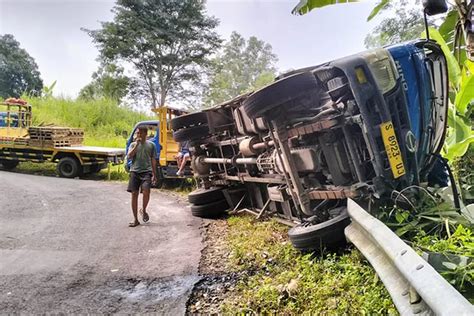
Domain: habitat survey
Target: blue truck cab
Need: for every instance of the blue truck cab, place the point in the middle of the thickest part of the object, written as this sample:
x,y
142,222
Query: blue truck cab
x,y
389,119
402,96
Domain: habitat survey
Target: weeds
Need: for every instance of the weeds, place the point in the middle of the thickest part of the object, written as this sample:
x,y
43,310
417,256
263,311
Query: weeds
x,y
117,173
282,280
440,232
453,257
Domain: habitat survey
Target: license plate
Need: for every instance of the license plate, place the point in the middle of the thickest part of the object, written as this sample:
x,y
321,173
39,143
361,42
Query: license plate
x,y
393,150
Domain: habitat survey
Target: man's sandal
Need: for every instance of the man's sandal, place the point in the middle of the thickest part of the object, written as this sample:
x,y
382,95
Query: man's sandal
x,y
145,216
133,224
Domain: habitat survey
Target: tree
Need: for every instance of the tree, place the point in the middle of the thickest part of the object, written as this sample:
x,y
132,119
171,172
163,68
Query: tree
x,y
166,41
107,82
404,23
18,70
243,65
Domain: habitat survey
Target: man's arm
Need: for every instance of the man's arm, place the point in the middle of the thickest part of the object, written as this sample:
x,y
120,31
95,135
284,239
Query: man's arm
x,y
133,151
153,162
153,166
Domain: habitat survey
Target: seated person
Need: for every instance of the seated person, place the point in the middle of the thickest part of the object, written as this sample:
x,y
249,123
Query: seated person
x,y
183,156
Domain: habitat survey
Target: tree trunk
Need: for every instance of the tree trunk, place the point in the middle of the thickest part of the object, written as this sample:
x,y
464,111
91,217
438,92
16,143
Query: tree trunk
x,y
162,97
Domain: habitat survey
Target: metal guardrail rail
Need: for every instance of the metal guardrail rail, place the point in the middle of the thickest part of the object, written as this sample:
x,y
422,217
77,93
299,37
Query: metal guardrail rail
x,y
413,284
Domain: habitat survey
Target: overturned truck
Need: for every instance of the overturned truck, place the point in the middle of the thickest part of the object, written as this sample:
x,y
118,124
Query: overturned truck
x,y
360,127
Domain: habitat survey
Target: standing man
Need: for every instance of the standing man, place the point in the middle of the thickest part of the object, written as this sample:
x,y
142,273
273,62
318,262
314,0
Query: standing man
x,y
142,172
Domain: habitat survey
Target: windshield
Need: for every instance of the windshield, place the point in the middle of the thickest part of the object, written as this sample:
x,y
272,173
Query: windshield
x,y
437,120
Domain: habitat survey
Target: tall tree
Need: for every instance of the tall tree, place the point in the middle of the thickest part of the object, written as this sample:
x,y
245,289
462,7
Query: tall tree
x,y
404,23
165,40
18,70
243,65
108,82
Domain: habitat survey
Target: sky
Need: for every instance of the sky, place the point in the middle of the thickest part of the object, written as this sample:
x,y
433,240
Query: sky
x,y
50,30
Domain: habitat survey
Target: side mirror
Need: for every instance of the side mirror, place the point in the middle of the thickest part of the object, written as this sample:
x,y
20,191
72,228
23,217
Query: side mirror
x,y
433,7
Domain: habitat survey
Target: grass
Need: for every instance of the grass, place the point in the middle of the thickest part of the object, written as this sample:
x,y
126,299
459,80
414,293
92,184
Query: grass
x,y
458,244
284,281
105,122
117,173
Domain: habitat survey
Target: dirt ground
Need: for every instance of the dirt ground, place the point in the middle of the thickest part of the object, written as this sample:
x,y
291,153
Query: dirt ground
x,y
65,248
216,280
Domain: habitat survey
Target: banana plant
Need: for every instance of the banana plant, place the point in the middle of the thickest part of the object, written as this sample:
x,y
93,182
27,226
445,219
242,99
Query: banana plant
x,y
460,134
304,6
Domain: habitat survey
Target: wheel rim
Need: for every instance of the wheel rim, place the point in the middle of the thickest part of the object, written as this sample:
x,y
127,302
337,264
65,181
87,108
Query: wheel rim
x,y
67,169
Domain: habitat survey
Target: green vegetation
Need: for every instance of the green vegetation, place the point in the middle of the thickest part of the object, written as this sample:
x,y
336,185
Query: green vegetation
x,y
457,257
108,82
402,22
166,42
433,226
105,123
18,70
283,281
241,66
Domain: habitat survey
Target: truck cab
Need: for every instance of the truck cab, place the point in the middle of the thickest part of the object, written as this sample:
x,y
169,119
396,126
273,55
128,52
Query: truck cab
x,y
15,118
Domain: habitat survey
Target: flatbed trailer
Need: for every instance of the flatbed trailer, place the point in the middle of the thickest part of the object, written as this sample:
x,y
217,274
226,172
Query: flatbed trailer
x,y
72,161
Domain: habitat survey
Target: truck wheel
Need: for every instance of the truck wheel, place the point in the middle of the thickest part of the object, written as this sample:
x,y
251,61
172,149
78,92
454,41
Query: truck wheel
x,y
9,164
68,167
183,121
203,196
295,92
191,133
328,234
210,210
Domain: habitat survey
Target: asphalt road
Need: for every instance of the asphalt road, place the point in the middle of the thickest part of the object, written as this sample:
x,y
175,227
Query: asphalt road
x,y
65,247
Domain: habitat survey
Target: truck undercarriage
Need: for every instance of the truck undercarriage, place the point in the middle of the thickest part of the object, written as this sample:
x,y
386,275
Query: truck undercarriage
x,y
298,148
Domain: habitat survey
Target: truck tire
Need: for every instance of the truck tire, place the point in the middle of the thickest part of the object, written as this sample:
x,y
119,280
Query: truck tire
x,y
191,133
210,210
69,167
9,164
294,92
203,196
328,234
193,119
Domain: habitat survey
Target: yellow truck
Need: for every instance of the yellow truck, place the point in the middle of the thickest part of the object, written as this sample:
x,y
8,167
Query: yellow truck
x,y
20,142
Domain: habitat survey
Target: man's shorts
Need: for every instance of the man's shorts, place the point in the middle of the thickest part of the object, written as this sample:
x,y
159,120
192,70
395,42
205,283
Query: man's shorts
x,y
139,180
184,154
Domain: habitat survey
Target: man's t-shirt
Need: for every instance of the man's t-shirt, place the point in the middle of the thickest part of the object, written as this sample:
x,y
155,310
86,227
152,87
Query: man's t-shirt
x,y
141,162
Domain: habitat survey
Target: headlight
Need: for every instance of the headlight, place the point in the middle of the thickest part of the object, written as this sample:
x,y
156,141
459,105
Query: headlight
x,y
383,68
